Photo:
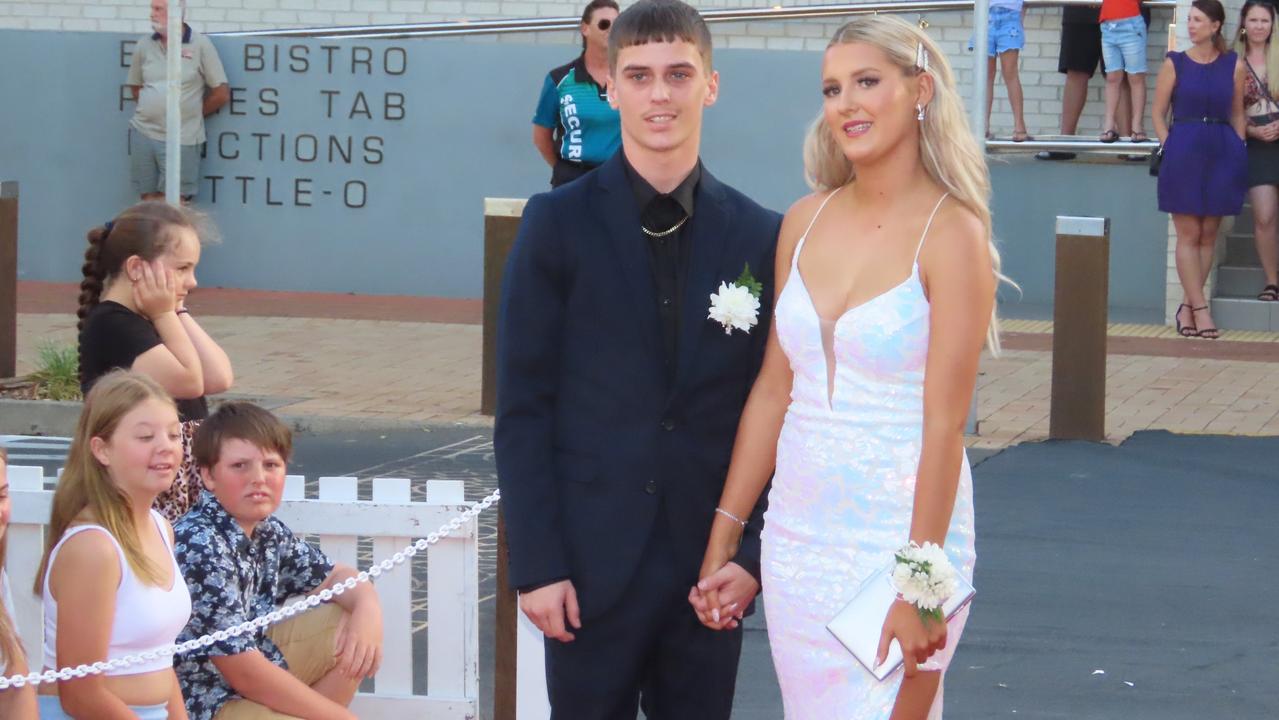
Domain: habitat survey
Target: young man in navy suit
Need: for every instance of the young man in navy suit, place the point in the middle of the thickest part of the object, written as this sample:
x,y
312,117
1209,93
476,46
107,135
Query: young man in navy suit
x,y
619,396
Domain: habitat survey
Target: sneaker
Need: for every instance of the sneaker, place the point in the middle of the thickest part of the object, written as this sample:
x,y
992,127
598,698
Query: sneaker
x,y
1054,155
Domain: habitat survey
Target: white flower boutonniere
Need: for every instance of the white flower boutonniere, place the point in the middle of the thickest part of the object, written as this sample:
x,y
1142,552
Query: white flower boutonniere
x,y
736,305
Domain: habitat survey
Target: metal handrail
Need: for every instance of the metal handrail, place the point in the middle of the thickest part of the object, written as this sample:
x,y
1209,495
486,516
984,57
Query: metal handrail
x,y
518,25
1092,147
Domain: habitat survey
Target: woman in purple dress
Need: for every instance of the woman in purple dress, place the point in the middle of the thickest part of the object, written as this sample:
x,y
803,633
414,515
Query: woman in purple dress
x,y
1205,161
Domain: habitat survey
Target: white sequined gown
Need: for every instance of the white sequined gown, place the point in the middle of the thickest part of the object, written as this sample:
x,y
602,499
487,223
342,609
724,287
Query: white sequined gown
x,y
842,495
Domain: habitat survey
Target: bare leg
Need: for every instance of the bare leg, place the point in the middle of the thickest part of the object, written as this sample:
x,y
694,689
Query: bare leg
x,y
1265,208
990,92
1072,101
915,698
1209,228
1189,258
1123,113
1137,88
1113,81
1012,80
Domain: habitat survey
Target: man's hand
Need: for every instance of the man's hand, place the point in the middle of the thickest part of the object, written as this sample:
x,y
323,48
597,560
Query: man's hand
x,y
720,599
548,608
359,641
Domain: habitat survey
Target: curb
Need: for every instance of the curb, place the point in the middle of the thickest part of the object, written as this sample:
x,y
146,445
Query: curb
x,y
39,417
58,418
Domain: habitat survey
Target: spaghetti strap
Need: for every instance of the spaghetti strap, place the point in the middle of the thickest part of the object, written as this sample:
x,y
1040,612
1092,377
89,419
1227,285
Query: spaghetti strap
x,y
794,259
159,521
924,235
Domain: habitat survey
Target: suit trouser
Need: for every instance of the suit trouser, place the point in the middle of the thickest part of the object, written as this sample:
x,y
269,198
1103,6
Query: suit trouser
x,y
648,650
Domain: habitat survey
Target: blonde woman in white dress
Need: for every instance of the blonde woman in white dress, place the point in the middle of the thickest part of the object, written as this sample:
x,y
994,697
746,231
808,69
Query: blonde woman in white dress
x,y
886,281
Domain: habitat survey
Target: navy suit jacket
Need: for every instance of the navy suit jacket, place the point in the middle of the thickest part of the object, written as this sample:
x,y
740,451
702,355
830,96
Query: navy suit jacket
x,y
592,434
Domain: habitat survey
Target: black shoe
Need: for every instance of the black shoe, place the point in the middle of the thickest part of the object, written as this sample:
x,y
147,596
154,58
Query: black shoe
x,y
1054,155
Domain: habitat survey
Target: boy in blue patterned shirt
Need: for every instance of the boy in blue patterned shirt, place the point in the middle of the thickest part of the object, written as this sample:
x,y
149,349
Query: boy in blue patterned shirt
x,y
241,562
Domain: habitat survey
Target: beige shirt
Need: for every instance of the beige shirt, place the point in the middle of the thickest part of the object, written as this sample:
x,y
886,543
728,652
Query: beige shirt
x,y
201,69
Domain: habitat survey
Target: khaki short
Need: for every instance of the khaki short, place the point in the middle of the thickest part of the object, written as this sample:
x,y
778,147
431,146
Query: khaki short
x,y
307,641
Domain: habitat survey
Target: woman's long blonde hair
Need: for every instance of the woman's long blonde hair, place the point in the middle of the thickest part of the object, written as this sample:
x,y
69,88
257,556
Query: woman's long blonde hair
x,y
947,146
10,648
85,483
1272,47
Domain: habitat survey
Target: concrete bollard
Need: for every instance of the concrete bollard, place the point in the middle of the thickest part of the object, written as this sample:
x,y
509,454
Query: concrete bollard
x,y
1080,297
501,223
8,278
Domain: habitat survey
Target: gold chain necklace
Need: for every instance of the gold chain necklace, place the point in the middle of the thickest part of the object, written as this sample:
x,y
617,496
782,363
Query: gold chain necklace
x,y
664,233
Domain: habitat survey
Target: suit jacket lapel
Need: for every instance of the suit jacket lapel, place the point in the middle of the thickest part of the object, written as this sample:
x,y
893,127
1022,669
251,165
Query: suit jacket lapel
x,y
708,231
620,216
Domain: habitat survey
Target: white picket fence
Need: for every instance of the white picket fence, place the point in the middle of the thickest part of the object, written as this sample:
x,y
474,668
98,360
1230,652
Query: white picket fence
x,y
393,521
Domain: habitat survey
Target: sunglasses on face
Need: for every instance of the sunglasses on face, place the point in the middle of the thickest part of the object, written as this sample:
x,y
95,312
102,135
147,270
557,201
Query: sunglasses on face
x,y
604,24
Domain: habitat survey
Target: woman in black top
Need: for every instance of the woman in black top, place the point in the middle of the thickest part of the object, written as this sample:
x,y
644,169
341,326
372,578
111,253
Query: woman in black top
x,y
138,271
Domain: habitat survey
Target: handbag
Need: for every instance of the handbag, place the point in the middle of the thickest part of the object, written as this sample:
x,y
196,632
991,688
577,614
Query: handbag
x,y
859,624
1156,159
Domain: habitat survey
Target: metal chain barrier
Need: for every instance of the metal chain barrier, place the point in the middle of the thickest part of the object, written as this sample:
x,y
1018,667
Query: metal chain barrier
x,y
259,623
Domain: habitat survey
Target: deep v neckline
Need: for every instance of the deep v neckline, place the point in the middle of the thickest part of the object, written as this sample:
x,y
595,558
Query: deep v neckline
x,y
914,270
828,346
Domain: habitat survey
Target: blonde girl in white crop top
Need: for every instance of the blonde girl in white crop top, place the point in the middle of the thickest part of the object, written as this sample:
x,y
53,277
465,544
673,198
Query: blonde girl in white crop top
x,y
110,584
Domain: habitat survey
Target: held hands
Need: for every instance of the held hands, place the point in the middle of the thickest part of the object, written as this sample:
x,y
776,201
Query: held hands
x,y
548,608
918,638
1269,133
723,590
154,290
359,642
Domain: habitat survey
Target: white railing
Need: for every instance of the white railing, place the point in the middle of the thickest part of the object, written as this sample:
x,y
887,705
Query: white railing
x,y
392,520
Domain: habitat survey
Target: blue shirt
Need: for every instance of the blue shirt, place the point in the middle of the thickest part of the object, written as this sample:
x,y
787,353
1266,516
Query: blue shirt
x,y
576,108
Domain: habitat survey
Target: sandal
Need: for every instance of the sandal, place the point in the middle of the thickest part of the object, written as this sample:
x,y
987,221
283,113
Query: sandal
x,y
1109,136
1269,293
1206,333
1021,136
1186,331
1140,137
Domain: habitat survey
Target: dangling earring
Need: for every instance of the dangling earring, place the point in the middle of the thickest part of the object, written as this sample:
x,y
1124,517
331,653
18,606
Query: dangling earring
x,y
920,116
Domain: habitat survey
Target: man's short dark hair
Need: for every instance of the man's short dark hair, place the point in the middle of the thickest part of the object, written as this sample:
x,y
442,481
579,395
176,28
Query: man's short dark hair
x,y
240,421
659,21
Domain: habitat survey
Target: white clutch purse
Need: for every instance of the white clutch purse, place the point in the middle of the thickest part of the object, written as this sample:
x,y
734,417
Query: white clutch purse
x,y
860,623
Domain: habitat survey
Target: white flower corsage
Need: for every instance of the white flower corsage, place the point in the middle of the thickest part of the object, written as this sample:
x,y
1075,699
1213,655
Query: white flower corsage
x,y
736,305
924,578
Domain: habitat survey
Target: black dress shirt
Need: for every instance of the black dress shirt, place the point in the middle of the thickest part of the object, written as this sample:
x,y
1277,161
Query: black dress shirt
x,y
669,253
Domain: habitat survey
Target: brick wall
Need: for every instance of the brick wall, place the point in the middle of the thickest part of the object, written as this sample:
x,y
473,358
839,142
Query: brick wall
x,y
1039,74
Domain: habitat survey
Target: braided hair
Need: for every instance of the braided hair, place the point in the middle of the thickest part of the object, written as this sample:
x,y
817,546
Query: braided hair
x,y
144,230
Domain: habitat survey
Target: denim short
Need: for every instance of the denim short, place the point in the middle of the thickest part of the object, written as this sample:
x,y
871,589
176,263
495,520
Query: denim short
x,y
147,165
1004,31
51,709
1123,45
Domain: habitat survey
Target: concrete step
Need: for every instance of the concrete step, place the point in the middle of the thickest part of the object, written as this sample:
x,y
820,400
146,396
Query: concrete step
x,y
1241,249
1243,281
1245,313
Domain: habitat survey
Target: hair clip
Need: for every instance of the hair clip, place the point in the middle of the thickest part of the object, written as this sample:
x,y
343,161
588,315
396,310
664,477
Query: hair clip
x,y
107,228
921,57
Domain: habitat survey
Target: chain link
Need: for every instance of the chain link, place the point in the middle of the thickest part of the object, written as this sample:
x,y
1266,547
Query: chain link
x,y
258,623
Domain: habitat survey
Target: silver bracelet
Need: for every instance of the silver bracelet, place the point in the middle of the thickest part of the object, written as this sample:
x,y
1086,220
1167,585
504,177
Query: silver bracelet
x,y
731,516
